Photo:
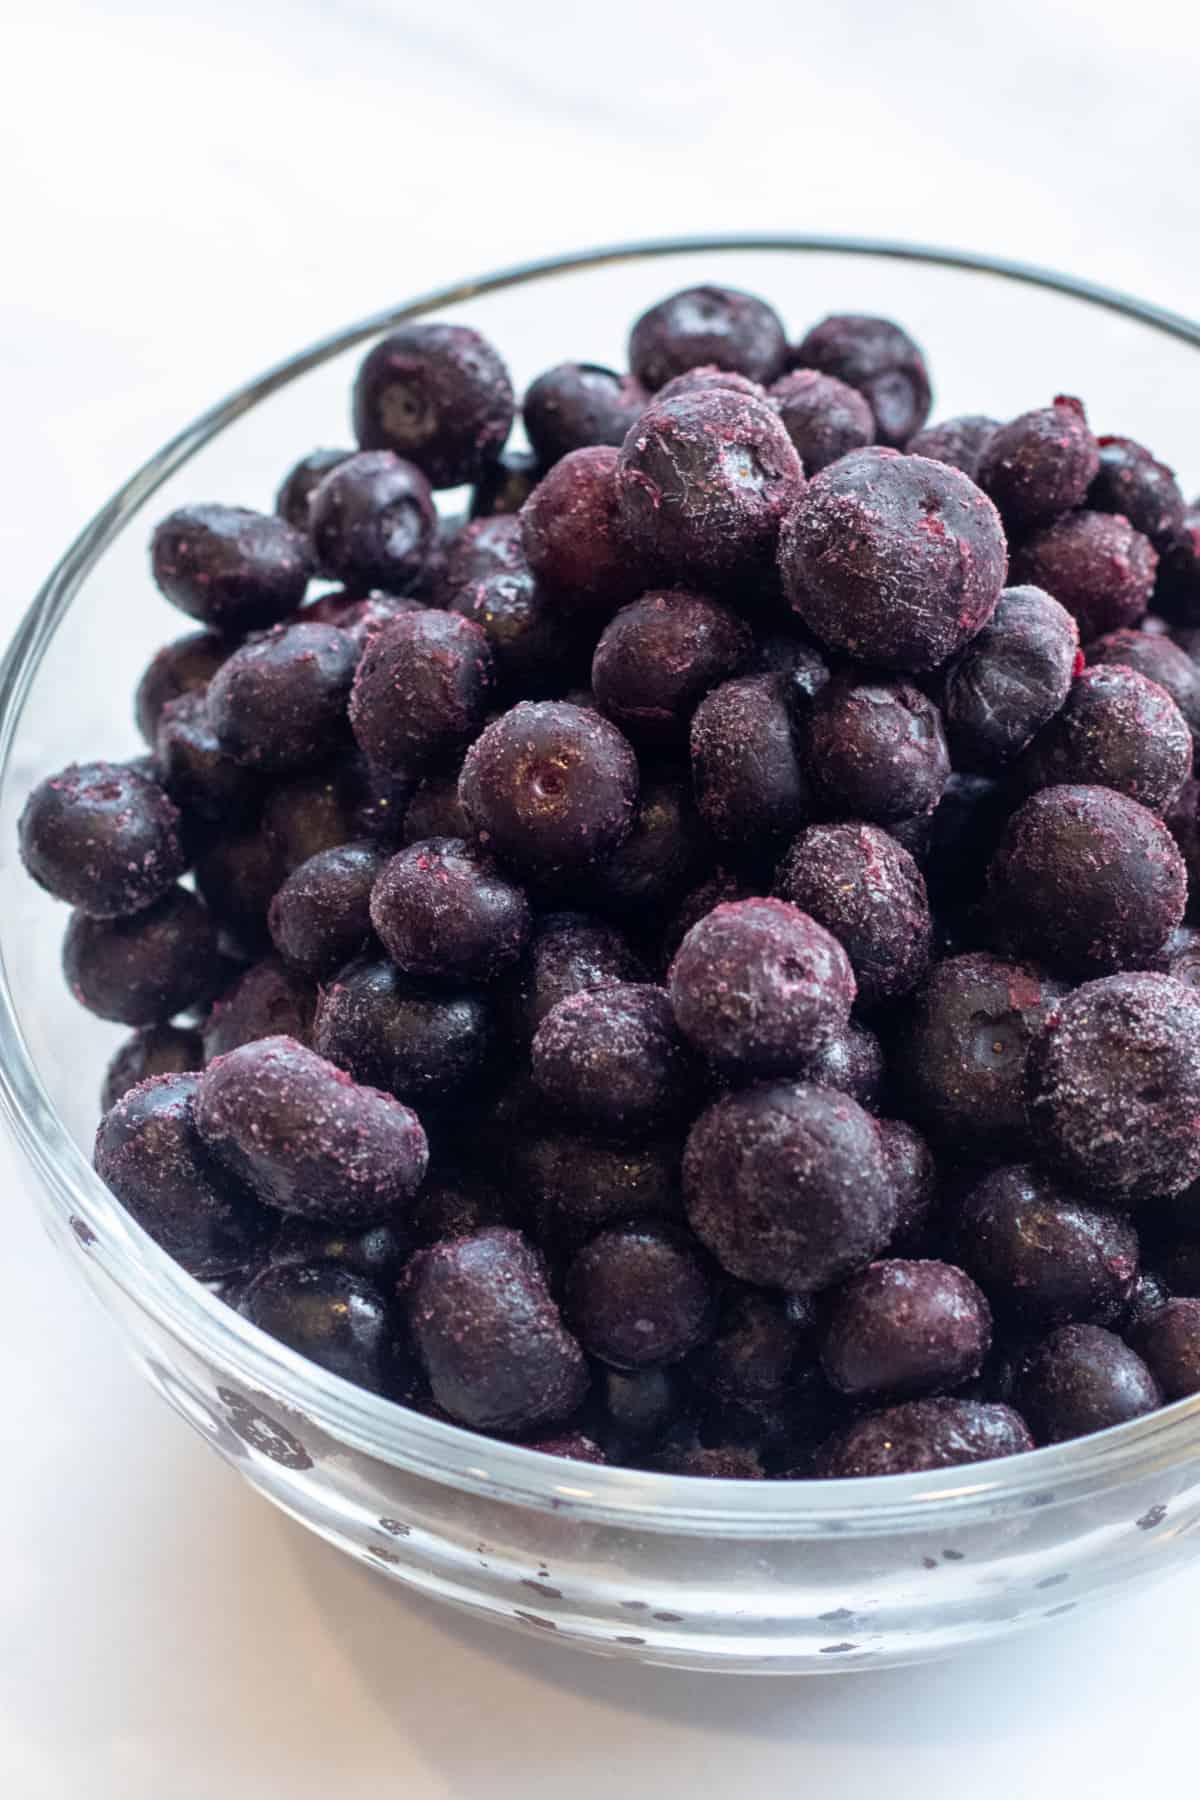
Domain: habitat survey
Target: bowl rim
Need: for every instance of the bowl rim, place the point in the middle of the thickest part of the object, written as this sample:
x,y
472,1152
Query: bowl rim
x,y
85,1211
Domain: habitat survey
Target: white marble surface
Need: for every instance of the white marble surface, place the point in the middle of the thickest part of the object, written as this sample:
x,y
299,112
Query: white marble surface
x,y
187,191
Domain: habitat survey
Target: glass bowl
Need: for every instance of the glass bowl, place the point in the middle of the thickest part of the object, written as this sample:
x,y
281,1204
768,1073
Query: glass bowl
x,y
773,1576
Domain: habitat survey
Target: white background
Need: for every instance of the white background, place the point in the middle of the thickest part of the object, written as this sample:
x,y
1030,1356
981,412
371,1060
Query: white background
x,y
186,192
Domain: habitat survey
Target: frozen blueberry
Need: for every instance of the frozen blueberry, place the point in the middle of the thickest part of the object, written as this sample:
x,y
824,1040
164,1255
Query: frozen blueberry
x,y
209,786
629,1409
1096,565
147,967
435,810
489,1334
234,569
185,666
1183,822
902,1327
896,560
707,376
880,360
707,326
703,482
852,1061
875,748
336,1318
301,482
482,548
377,1253
788,1186
964,1049
1145,492
456,1204
575,1185
659,656
573,537
611,1057
866,889
1168,1342
1011,679
1148,1293
823,417
721,886
787,651
757,986
150,1155
305,1138
373,522
923,1434
960,442
320,916
444,913
1159,660
1115,729
550,786
639,1294
914,1180
154,1050
1043,1253
237,875
535,642
391,1032
1113,1084
568,953
1087,880
421,691
1177,589
662,857
1041,464
319,811
576,405
1080,1379
438,395
1181,956
506,485
751,790
278,704
103,837
267,1000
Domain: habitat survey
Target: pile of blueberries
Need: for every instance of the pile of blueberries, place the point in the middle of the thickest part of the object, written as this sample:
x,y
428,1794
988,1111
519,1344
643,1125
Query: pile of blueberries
x,y
685,967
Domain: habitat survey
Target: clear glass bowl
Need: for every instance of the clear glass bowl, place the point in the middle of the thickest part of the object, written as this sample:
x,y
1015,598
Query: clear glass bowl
x,y
773,1576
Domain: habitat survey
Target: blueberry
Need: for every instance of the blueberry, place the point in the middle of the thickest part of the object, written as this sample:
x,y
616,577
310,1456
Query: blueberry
x,y
573,537
438,395
612,1058
1044,1253
960,442
1011,679
301,481
278,704
103,837
924,1434
1096,565
266,1000
903,1327
1159,660
750,786
879,359
444,913
506,484
373,522
1115,729
154,1050
707,326
185,666
1168,1341
875,748
638,1295
1145,492
577,405
320,916
1041,464
866,889
1082,1378
391,1032
421,691
534,640
659,656
568,953
574,1184
143,969
338,1319
823,417
233,569
210,787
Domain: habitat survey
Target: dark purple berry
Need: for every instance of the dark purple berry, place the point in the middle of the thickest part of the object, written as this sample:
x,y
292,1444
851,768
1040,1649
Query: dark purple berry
x,y
923,1434
301,482
550,786
311,813
703,482
705,378
750,787
1181,956
278,704
1087,880
1041,464
576,405
823,417
662,857
150,1155
237,875
209,786
535,643
659,656
852,1061
103,837
320,916
914,1180
901,1327
880,360
1145,492
1177,589
875,748
787,1185
1080,1379
305,1138
960,442
482,548
639,1294
1157,659
377,1253
456,1204
1011,679
575,1185
573,537
183,667
895,560
145,968
1115,730
435,810
421,691
438,395
388,1031
861,885
505,486
233,569
569,953
1113,1084
611,1057
489,1334
267,1000
704,327
154,1050
757,987
1096,565
1044,1253
373,522
337,1319
1168,1342
444,913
